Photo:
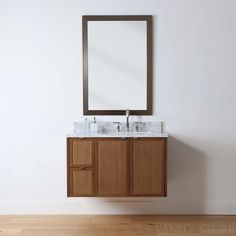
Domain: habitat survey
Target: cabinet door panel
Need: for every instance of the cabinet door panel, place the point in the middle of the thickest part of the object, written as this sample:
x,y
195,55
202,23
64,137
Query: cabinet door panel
x,y
81,152
148,167
82,182
112,167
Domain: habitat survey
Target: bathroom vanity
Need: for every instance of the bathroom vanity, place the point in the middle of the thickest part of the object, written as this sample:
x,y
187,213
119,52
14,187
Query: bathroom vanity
x,y
117,165
117,159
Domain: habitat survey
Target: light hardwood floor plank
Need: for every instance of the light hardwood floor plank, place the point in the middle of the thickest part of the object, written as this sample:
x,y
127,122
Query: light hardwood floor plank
x,y
118,225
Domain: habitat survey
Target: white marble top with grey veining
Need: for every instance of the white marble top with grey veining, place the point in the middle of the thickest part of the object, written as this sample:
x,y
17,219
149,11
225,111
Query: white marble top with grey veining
x,y
119,135
119,130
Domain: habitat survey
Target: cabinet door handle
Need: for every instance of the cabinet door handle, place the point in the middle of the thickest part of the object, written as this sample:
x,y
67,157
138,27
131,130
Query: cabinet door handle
x,y
82,168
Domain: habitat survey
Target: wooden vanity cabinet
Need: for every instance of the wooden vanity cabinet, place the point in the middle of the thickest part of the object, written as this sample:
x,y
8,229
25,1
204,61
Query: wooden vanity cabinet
x,y
116,167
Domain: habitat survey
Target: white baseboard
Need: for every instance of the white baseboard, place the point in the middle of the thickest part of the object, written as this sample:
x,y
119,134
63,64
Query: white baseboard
x,y
88,206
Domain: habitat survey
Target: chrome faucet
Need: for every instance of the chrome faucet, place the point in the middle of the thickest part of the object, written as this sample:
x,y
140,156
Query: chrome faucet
x,y
127,120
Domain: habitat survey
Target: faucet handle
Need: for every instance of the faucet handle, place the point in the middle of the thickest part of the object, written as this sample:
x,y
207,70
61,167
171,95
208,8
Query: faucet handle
x,y
137,125
118,125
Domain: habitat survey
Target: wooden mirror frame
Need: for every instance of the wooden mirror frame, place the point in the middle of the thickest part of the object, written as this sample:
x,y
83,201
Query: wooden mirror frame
x,y
148,19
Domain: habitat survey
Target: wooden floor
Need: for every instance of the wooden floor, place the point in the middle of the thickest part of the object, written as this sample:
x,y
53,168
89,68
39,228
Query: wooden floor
x,y
117,225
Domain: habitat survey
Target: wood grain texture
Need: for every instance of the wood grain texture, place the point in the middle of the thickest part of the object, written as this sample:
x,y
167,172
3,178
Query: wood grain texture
x,y
112,167
81,152
148,167
118,167
82,182
119,225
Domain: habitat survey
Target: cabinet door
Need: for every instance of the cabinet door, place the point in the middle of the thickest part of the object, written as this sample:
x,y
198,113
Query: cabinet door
x,y
148,167
112,167
81,152
81,182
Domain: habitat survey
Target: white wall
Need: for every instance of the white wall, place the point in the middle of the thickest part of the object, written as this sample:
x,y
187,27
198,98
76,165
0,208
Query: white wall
x,y
41,95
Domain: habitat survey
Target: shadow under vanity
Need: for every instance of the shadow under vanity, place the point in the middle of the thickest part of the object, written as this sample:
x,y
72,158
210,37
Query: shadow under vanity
x,y
117,159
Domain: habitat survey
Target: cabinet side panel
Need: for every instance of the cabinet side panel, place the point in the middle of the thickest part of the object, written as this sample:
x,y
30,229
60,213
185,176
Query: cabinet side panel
x,y
165,168
68,167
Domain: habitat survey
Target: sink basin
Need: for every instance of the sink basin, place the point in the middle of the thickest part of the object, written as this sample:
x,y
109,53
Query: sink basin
x,y
127,133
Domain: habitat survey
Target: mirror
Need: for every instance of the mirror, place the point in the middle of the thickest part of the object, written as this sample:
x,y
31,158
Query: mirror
x,y
117,65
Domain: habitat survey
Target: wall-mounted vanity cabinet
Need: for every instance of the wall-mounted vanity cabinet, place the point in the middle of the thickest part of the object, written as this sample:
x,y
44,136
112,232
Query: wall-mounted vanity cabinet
x,y
116,167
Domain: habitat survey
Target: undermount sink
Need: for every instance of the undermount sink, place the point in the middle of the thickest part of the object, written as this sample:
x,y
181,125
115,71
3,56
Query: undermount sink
x,y
127,132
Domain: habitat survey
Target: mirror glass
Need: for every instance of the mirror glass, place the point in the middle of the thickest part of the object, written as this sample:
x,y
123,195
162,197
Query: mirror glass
x,y
115,65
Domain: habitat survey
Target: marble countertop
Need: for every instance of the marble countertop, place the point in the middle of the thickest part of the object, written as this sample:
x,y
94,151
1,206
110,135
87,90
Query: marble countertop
x,y
119,135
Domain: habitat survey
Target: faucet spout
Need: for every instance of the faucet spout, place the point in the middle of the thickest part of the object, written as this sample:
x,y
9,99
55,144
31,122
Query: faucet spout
x,y
127,120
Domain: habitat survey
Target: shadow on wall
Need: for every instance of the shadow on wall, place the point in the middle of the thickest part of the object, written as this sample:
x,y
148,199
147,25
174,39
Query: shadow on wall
x,y
186,187
187,177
